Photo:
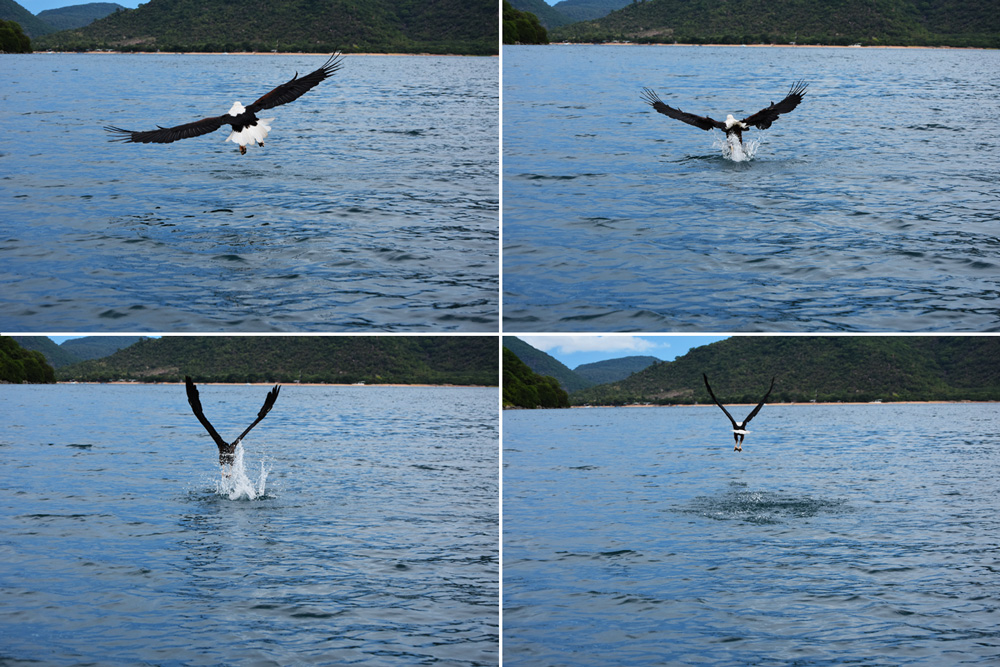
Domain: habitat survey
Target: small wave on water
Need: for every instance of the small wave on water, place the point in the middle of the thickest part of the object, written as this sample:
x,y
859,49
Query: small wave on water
x,y
234,482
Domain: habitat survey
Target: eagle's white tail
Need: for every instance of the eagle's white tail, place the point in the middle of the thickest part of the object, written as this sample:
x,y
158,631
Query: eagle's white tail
x,y
252,134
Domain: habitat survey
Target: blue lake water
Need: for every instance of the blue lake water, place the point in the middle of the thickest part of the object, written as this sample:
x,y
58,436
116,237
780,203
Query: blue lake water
x,y
375,540
873,206
373,205
861,534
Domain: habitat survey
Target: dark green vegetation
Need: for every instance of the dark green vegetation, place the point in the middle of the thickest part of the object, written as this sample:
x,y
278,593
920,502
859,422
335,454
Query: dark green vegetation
x,y
77,16
318,359
30,24
13,39
311,26
522,27
586,10
837,22
524,388
76,350
612,370
821,368
18,365
543,364
547,16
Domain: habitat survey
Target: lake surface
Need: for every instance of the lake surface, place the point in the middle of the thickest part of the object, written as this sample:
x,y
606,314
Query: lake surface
x,y
862,534
873,206
375,540
373,205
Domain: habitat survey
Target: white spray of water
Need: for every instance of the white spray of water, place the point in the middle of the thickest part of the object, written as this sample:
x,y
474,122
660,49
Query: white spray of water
x,y
733,150
236,484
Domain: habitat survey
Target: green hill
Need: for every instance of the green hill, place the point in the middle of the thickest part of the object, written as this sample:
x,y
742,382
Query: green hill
x,y
586,10
522,27
821,368
351,26
96,347
320,359
867,22
612,370
546,365
77,16
524,388
30,24
53,353
18,365
547,16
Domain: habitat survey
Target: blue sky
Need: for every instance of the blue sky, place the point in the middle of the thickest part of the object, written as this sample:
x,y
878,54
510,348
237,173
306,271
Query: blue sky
x,y
35,6
584,349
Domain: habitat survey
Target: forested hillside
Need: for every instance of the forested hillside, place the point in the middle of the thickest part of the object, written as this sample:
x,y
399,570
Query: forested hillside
x,y
319,359
820,368
351,26
18,365
545,364
523,388
866,22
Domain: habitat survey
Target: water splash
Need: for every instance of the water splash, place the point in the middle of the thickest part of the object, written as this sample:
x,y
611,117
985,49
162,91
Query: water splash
x,y
235,483
733,150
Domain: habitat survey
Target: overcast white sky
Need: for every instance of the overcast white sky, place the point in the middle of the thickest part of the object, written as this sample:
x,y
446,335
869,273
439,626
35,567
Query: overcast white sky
x,y
584,349
35,6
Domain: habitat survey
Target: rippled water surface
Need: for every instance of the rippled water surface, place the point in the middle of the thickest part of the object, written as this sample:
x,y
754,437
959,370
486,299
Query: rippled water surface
x,y
875,205
374,541
864,534
373,205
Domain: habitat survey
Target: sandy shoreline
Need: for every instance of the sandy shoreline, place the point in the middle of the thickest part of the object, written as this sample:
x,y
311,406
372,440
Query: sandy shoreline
x,y
711,405
777,46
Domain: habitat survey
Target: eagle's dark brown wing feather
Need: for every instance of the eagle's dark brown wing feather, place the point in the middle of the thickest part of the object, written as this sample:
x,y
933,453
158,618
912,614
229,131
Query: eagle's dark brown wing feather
x,y
166,135
703,122
759,405
294,89
195,401
272,396
763,118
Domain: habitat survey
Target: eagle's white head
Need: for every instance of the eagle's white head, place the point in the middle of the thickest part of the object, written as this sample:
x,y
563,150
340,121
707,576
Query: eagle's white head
x,y
239,108
730,121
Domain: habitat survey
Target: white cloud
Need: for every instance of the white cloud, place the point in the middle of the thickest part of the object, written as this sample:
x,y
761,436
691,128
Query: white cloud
x,y
571,344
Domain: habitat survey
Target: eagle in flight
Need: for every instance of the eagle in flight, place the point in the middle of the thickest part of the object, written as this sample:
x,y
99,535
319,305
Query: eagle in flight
x,y
761,120
246,127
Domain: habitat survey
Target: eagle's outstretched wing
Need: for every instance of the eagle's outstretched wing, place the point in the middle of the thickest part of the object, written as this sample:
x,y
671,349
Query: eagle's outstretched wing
x,y
296,88
759,405
712,394
763,118
704,122
272,396
166,135
192,394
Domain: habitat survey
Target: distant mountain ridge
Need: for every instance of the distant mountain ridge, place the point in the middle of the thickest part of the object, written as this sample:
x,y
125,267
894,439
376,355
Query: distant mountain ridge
x,y
75,350
32,25
612,370
546,365
352,26
455,360
817,368
77,16
867,22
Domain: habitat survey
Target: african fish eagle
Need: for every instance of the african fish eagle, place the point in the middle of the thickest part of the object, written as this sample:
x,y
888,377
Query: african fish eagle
x,y
227,450
739,428
761,120
247,128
